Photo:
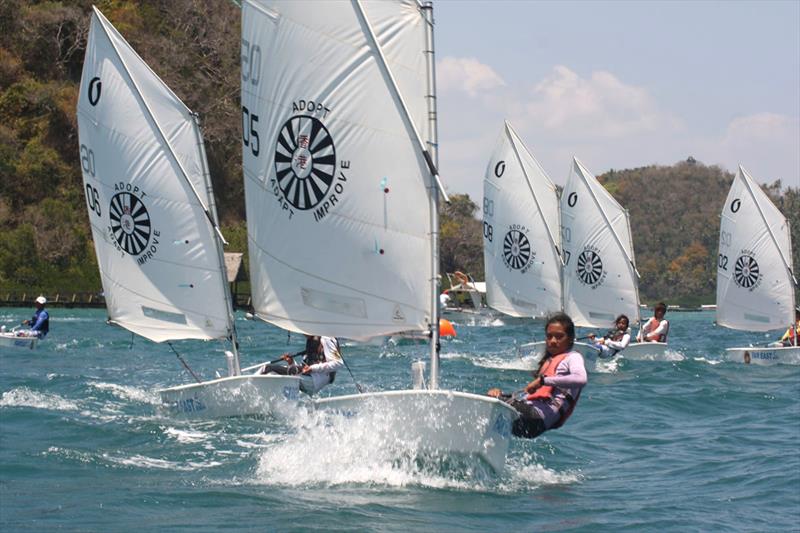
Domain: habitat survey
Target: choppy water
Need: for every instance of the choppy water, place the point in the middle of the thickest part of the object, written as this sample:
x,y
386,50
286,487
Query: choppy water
x,y
684,444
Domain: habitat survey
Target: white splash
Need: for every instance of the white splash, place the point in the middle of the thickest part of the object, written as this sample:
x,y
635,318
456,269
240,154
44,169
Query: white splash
x,y
25,397
128,393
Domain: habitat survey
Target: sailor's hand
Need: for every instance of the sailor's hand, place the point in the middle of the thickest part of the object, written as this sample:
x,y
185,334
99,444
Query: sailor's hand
x,y
306,369
286,357
494,393
26,322
533,385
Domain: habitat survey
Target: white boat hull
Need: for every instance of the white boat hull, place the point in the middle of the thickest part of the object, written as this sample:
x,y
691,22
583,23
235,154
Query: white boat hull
x,y
765,355
645,351
248,395
10,340
435,422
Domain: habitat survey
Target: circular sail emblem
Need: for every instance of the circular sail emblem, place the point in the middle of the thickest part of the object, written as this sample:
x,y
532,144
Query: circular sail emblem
x,y
746,272
130,222
589,267
305,161
516,249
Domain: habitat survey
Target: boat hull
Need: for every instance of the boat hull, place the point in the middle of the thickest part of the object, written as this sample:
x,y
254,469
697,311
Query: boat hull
x,y
766,355
250,395
435,422
10,340
645,351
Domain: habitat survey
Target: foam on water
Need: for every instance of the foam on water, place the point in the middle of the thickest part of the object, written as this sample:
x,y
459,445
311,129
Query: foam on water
x,y
128,393
25,397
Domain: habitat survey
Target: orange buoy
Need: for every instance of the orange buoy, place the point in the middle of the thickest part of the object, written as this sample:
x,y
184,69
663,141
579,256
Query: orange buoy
x,y
446,328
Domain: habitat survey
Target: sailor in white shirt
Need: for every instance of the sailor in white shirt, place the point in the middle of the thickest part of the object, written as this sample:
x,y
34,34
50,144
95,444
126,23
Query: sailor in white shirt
x,y
655,329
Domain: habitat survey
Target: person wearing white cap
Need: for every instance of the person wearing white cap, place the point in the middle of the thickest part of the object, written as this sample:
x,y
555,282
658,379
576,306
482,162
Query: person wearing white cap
x,y
39,322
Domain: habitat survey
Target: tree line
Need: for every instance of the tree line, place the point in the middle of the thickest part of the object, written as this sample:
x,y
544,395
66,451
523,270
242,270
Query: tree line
x,y
45,239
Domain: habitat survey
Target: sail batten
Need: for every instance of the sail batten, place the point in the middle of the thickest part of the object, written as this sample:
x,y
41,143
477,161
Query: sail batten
x,y
147,197
755,285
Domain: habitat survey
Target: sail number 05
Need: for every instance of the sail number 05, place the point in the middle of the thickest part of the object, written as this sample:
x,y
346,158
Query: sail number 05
x,y
250,137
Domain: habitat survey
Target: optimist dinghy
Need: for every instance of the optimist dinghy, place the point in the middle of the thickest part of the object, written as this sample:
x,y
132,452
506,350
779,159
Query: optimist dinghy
x,y
755,284
342,194
154,223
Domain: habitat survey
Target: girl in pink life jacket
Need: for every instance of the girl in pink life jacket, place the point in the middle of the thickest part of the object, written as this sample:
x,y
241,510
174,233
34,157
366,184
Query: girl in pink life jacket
x,y
549,399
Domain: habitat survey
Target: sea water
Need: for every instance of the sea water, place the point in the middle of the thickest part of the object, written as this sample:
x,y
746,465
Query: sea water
x,y
687,443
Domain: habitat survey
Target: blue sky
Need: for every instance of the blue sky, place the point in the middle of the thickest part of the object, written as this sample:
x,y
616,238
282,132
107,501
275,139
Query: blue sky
x,y
620,84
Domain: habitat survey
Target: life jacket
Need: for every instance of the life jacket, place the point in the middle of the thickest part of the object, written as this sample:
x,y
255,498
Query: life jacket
x,y
548,392
313,357
616,334
792,331
652,325
44,329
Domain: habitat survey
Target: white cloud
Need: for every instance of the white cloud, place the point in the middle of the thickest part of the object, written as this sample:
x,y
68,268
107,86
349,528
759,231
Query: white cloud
x,y
765,143
466,74
601,106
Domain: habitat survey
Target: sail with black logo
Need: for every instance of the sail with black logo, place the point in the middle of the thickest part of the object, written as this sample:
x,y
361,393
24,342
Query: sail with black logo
x,y
153,219
755,284
600,277
339,157
521,234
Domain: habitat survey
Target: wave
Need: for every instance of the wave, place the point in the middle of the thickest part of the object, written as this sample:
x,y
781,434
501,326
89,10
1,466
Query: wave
x,y
25,397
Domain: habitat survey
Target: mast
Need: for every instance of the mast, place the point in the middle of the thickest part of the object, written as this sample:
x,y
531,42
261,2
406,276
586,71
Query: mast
x,y
212,208
433,196
429,152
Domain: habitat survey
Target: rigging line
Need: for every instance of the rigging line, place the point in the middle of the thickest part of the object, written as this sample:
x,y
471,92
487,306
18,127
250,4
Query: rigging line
x,y
186,366
528,182
583,173
152,115
359,388
746,180
394,89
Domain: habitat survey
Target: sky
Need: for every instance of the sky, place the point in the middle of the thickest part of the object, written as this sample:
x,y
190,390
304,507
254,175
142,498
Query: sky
x,y
619,85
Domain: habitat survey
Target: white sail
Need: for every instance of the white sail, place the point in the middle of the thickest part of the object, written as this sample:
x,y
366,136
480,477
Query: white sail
x,y
600,279
521,237
755,286
148,197
335,181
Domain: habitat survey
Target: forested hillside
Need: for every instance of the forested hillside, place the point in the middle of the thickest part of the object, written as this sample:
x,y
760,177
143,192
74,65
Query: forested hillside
x,y
45,241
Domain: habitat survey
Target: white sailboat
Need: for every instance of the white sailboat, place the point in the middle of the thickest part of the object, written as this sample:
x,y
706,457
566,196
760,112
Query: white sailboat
x,y
342,197
154,223
600,276
755,284
521,238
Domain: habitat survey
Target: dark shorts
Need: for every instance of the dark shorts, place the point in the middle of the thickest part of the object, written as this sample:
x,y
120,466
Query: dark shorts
x,y
529,425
